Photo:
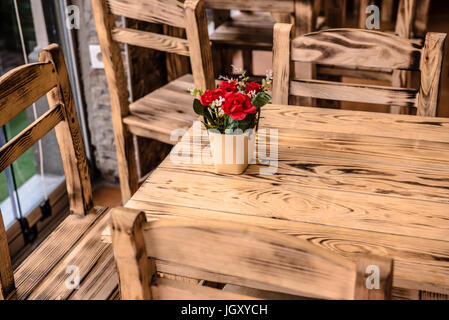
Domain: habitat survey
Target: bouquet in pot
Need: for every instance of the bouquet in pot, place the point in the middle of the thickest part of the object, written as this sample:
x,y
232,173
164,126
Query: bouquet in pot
x,y
231,113
234,104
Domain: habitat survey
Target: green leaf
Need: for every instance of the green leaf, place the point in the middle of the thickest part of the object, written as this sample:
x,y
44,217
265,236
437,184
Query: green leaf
x,y
198,107
260,99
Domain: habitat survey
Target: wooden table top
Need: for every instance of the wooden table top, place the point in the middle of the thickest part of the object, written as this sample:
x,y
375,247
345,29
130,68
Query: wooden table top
x,y
348,181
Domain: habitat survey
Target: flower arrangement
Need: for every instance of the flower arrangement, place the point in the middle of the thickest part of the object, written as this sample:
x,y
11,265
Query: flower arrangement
x,y
234,104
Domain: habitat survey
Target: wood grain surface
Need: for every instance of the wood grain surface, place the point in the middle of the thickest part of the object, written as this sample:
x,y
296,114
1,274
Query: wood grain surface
x,y
349,181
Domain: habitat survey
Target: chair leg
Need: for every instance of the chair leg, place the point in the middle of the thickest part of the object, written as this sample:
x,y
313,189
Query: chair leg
x,y
126,158
7,286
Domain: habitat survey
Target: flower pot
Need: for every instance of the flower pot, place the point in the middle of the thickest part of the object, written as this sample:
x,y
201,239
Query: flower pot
x,y
231,153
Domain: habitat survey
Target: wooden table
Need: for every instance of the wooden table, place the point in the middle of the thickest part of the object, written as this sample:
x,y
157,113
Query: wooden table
x,y
348,181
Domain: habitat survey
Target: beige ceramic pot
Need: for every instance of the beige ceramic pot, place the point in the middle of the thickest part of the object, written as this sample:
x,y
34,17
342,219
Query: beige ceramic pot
x,y
231,153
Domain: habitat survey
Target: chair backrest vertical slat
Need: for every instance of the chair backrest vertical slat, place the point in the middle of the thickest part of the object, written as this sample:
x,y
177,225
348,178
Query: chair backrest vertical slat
x,y
282,62
129,248
242,254
69,136
118,92
200,51
431,66
7,285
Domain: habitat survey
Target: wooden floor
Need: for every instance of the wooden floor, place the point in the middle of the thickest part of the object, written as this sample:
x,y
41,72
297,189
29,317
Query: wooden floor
x,y
46,274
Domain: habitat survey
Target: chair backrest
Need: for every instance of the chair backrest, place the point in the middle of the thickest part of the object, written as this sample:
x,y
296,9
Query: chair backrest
x,y
235,254
189,15
21,87
355,48
411,18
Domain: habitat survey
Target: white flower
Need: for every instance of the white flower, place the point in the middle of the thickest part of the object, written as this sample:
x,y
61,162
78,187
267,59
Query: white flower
x,y
251,93
217,102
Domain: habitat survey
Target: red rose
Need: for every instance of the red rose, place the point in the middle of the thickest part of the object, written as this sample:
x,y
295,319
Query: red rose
x,y
210,95
228,86
253,86
237,105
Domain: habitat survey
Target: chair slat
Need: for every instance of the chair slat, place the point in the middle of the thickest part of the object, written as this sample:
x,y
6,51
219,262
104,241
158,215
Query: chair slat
x,y
286,264
431,65
151,40
287,6
169,12
22,86
12,150
357,48
354,92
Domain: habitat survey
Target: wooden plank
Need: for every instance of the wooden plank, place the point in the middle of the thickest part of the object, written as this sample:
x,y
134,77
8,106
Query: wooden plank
x,y
49,253
22,86
391,151
7,285
357,48
404,28
353,73
421,18
101,281
337,174
315,205
305,17
354,92
431,68
83,254
199,44
252,5
118,91
419,263
151,40
157,11
356,123
68,134
281,62
166,289
133,267
17,146
287,264
405,18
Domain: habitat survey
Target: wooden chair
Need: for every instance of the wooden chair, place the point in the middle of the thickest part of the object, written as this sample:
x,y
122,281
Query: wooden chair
x,y
253,29
19,88
157,114
233,253
355,48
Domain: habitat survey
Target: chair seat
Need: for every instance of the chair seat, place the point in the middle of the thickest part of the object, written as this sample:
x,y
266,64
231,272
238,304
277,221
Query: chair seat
x,y
246,29
75,243
157,114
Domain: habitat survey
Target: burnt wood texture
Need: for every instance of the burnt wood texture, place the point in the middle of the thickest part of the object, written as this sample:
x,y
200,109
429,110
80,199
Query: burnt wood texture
x,y
355,49
351,182
169,107
242,254
42,274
